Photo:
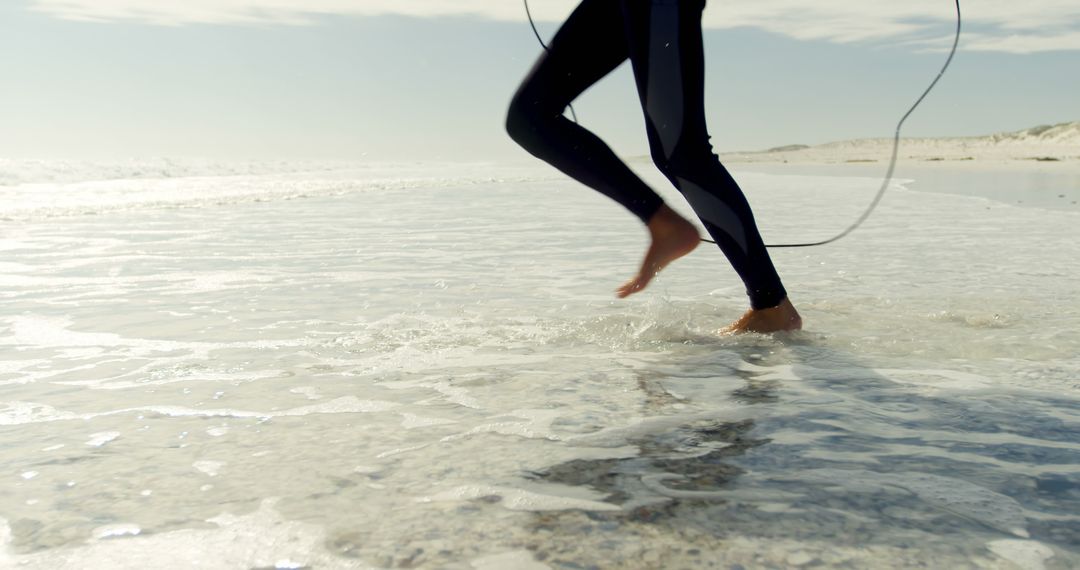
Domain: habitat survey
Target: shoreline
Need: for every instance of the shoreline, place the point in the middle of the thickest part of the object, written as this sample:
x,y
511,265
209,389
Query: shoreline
x,y
1052,186
1068,159
1068,162
1045,162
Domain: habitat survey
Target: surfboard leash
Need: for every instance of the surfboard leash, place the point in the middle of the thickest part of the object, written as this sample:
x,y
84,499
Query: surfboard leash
x,y
896,137
543,45
895,150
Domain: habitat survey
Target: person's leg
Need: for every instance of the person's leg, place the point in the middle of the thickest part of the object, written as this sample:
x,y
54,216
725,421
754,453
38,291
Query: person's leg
x,y
664,37
588,46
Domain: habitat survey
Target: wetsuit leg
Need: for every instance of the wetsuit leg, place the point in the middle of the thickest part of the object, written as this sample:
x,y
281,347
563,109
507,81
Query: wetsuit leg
x,y
666,51
588,46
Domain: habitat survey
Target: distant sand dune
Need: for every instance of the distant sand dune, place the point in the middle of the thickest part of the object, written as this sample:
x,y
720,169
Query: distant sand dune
x,y
1047,143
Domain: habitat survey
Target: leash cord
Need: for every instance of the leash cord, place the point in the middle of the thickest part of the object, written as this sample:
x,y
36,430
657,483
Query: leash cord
x,y
895,150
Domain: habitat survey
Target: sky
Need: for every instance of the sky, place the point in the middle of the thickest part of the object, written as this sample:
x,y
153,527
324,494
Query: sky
x,y
430,79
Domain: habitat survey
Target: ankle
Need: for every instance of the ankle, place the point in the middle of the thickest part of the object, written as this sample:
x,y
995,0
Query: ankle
x,y
667,221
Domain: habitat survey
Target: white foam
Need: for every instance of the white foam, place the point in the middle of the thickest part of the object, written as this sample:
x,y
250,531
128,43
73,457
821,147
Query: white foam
x,y
164,378
15,171
56,332
638,428
6,560
410,421
12,366
116,530
1027,554
454,394
342,405
400,450
536,424
311,392
941,379
101,438
260,539
90,189
17,413
208,467
39,332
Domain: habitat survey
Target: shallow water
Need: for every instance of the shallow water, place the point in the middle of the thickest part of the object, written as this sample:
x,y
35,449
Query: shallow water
x,y
424,366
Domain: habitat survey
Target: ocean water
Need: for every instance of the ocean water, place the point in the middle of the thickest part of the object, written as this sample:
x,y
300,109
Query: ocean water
x,y
423,366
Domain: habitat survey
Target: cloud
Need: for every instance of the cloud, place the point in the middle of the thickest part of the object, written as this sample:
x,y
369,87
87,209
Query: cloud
x,y
992,25
1023,43
1001,25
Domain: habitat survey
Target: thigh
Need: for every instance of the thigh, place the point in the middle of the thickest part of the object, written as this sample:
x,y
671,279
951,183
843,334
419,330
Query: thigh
x,y
588,46
667,53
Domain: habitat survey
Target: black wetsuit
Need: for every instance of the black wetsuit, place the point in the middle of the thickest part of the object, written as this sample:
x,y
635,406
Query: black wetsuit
x,y
662,39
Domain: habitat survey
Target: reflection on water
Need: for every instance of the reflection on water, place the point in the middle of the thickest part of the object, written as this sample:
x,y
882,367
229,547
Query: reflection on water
x,y
864,462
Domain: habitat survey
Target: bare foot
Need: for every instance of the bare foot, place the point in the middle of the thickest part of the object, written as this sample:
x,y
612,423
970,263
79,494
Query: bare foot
x,y
782,317
672,237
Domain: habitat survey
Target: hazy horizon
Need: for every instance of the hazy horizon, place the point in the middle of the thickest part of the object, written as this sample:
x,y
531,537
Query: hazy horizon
x,y
250,79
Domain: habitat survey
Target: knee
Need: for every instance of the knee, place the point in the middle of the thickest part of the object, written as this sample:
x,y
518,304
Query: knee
x,y
521,122
662,162
686,162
